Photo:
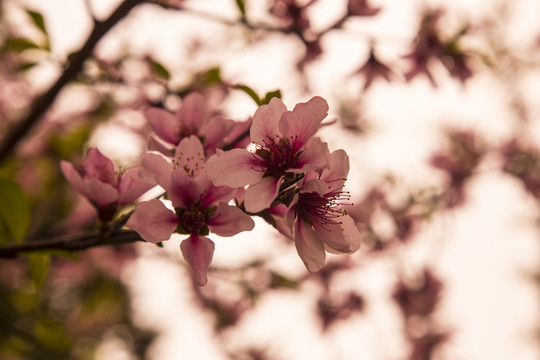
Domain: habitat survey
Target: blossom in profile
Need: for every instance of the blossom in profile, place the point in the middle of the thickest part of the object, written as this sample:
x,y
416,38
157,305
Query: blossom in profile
x,y
192,118
374,69
198,208
106,188
318,221
285,147
361,8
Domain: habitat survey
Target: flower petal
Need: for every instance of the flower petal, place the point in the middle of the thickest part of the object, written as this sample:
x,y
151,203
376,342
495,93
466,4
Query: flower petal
x,y
164,124
183,191
309,246
343,238
304,120
192,113
153,221
132,186
233,168
314,156
337,171
72,176
229,220
190,156
156,167
96,165
260,196
266,120
198,252
214,132
99,193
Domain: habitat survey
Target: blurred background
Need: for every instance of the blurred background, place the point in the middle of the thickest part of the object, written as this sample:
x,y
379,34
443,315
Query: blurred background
x,y
434,101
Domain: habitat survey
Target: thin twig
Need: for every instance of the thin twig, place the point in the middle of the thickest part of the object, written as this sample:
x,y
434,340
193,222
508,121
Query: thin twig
x,y
72,243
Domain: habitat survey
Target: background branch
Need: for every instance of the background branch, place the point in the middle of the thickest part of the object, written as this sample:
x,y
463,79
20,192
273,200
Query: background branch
x,y
75,62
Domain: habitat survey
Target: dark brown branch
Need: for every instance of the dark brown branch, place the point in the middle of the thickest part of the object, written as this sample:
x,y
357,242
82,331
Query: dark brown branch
x,y
73,243
42,104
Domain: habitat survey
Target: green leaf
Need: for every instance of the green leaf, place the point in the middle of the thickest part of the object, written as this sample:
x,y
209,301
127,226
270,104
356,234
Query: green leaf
x,y
19,44
14,211
252,94
38,265
270,95
159,70
38,20
242,7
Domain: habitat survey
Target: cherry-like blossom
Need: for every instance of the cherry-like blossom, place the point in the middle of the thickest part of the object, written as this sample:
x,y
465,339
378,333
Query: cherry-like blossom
x,y
106,188
285,147
319,224
198,208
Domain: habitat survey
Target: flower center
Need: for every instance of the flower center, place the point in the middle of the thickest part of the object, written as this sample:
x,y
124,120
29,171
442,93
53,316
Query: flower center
x,y
321,209
194,219
277,156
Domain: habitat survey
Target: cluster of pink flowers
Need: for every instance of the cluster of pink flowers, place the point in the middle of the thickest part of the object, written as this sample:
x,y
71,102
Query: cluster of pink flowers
x,y
214,183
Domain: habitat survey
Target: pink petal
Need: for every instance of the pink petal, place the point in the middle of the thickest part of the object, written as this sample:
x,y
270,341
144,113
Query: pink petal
x,y
266,120
100,193
315,185
190,156
131,186
229,220
314,156
304,120
72,176
192,113
216,194
233,168
198,252
157,168
158,146
309,246
183,191
153,221
343,238
214,132
164,124
337,171
260,196
98,166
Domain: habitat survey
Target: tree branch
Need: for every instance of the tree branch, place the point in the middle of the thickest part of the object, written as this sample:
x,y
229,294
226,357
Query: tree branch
x,y
73,243
42,104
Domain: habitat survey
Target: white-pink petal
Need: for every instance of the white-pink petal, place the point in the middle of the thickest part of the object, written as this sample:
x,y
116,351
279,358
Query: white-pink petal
x,y
198,252
156,167
314,156
234,168
193,112
164,124
183,191
73,176
229,220
153,221
97,165
309,246
101,194
337,171
190,156
260,196
131,186
304,120
266,121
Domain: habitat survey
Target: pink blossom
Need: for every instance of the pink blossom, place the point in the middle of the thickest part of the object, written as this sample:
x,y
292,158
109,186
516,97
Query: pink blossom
x,y
97,180
192,118
361,8
317,220
199,208
285,146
